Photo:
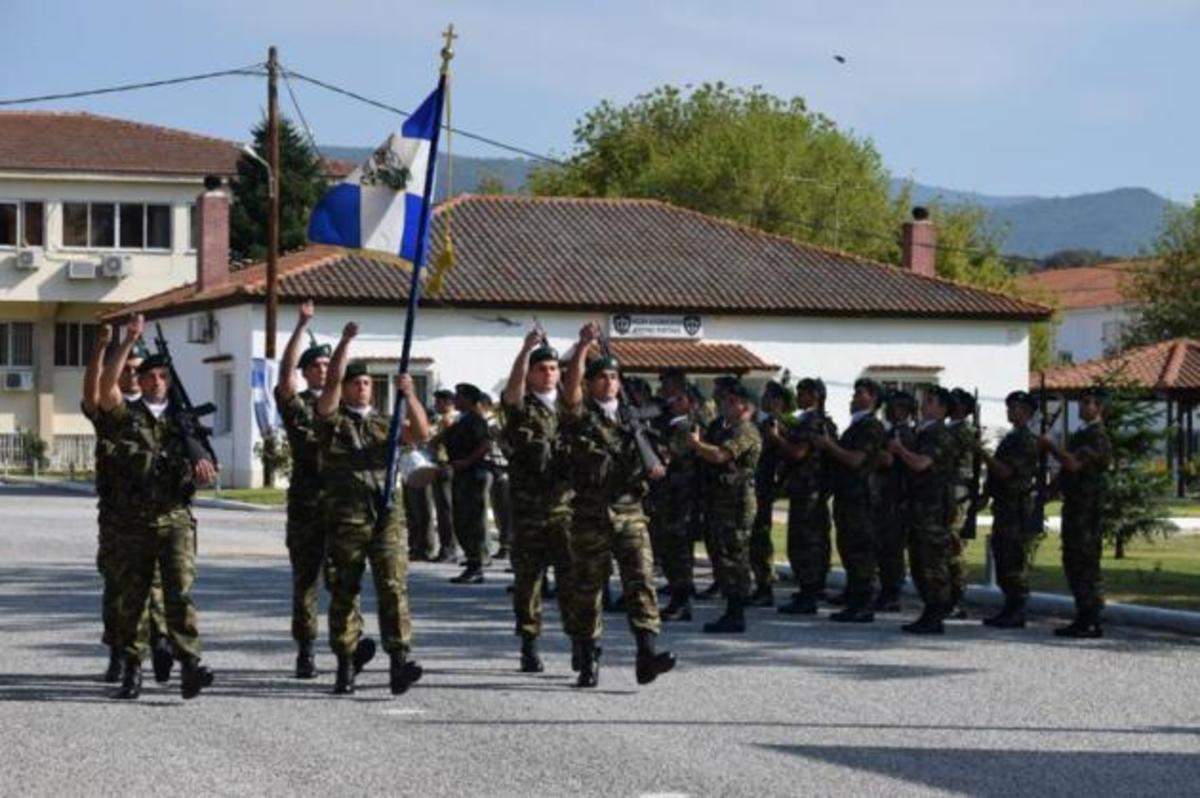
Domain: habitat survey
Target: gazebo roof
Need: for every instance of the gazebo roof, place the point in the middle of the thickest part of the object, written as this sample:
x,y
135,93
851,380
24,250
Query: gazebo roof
x,y
1170,369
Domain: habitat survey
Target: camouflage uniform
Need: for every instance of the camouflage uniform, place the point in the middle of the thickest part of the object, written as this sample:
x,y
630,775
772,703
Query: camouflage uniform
x,y
305,527
730,505
808,523
440,489
608,520
762,550
469,487
852,507
676,508
541,504
891,510
963,432
1083,498
1012,546
929,513
353,469
157,528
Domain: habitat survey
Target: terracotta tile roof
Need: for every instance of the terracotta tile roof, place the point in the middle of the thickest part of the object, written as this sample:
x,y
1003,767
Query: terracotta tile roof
x,y
623,254
1167,367
1085,286
655,354
82,142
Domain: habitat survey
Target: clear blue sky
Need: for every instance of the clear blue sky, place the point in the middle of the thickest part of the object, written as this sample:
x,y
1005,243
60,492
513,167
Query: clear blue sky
x,y
1045,97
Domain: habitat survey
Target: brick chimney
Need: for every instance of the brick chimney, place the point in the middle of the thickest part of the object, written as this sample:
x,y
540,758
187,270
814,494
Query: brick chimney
x,y
212,235
919,243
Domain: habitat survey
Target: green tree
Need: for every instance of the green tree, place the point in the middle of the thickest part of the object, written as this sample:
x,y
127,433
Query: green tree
x,y
301,183
1131,507
491,184
1167,292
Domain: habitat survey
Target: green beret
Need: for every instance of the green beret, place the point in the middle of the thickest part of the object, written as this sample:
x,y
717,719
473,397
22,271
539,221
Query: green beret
x,y
357,368
155,361
1095,392
468,391
599,364
443,393
312,353
773,389
726,381
739,391
899,398
1022,398
870,385
542,353
814,384
963,398
944,397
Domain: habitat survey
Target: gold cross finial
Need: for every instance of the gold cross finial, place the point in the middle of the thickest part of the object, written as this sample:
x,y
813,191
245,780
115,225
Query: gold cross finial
x,y
448,50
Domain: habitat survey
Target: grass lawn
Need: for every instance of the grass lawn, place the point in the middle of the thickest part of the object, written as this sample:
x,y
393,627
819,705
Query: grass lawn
x,y
269,496
1164,573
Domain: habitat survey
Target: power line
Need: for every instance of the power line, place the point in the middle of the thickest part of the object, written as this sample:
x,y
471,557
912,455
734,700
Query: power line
x,y
250,70
303,121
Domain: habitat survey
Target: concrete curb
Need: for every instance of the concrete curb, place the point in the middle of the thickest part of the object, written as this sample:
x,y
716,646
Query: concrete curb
x,y
230,504
88,488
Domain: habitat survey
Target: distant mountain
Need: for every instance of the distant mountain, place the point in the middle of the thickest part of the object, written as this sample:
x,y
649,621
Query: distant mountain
x,y
924,195
468,171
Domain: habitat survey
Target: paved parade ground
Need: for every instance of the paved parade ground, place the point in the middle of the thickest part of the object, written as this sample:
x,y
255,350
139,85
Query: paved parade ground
x,y
794,707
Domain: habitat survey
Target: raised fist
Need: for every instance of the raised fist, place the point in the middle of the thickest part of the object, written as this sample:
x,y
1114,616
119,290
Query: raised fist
x,y
306,310
137,326
350,330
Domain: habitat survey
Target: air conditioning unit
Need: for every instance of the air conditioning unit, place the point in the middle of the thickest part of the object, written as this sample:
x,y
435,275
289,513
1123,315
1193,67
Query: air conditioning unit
x,y
18,380
29,260
81,269
116,266
201,329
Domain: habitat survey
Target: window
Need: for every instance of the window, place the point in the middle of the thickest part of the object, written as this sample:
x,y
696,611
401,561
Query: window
x,y
223,399
916,380
193,234
1111,333
382,397
16,343
129,225
73,342
26,217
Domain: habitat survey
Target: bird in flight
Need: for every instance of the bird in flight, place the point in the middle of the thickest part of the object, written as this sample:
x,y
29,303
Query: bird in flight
x,y
841,59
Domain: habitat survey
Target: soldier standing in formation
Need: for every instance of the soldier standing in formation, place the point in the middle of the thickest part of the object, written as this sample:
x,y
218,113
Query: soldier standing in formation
x,y
541,493
444,417
776,404
499,491
468,444
891,509
305,527
161,469
676,507
610,481
958,421
1085,461
730,458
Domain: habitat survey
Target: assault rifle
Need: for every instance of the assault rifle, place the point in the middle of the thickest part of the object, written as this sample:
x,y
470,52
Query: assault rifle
x,y
633,419
968,531
1035,523
196,435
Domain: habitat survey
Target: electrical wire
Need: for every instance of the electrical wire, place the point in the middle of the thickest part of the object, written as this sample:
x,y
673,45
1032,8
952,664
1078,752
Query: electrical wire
x,y
312,142
255,70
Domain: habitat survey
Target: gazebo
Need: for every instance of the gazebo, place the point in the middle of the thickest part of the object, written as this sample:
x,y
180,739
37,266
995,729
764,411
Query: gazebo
x,y
1168,372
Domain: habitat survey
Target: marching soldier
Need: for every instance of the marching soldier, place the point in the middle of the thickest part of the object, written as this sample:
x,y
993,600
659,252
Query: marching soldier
x,y
1011,473
160,468
775,405
354,441
609,480
541,493
958,421
676,507
112,495
807,479
853,458
931,473
1083,480
891,529
468,444
730,460
305,529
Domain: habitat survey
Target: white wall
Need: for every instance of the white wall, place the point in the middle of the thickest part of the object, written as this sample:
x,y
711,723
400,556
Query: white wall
x,y
1081,331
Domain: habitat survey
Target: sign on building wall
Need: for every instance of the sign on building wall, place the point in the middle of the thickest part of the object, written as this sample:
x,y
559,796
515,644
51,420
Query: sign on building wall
x,y
640,325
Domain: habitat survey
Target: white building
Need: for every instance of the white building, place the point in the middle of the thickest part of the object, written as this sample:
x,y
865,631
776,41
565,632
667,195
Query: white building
x,y
674,287
94,213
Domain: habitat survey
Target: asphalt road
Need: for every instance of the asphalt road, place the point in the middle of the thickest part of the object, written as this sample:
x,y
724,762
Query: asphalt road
x,y
795,707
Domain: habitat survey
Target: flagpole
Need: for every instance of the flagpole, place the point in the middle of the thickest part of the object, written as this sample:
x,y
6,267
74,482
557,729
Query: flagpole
x,y
414,290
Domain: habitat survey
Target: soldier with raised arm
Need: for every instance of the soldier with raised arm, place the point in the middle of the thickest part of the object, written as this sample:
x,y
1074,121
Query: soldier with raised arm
x,y
354,444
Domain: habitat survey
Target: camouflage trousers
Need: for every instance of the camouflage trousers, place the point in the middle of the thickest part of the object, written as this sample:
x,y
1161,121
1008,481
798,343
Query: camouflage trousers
x,y
165,545
106,563
856,547
350,546
958,550
595,541
541,540
732,562
674,521
1082,545
469,507
891,535
762,548
306,550
1012,550
930,548
808,545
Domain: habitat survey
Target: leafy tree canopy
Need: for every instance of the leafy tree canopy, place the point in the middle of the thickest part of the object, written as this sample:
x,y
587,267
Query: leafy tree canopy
x,y
1167,293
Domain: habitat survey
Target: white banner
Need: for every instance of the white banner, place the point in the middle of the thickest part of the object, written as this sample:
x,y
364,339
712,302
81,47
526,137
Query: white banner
x,y
643,325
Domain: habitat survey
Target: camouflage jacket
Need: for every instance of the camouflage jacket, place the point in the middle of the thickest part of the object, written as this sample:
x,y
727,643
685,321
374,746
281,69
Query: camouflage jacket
x,y
353,457
931,491
536,460
109,490
1091,445
865,435
768,462
729,488
603,460
150,465
890,489
813,473
681,486
963,434
1019,451
299,414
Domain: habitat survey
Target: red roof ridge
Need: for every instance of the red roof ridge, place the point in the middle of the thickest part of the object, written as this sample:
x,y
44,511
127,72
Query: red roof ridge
x,y
1179,349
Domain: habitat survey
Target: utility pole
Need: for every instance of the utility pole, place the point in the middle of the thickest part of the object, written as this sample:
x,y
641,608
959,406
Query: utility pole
x,y
272,239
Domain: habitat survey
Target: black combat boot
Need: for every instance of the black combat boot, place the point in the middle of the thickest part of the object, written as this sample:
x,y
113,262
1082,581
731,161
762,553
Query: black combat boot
x,y
364,652
306,663
471,575
837,600
530,661
1004,611
1086,625
651,664
764,596
733,621
710,593
930,623
112,674
403,673
887,601
576,656
802,603
1013,619
162,659
131,680
589,664
857,610
680,606
344,682
193,677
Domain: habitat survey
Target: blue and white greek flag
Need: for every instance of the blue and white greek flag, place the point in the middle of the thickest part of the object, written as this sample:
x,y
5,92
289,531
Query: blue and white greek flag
x,y
262,389
379,204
